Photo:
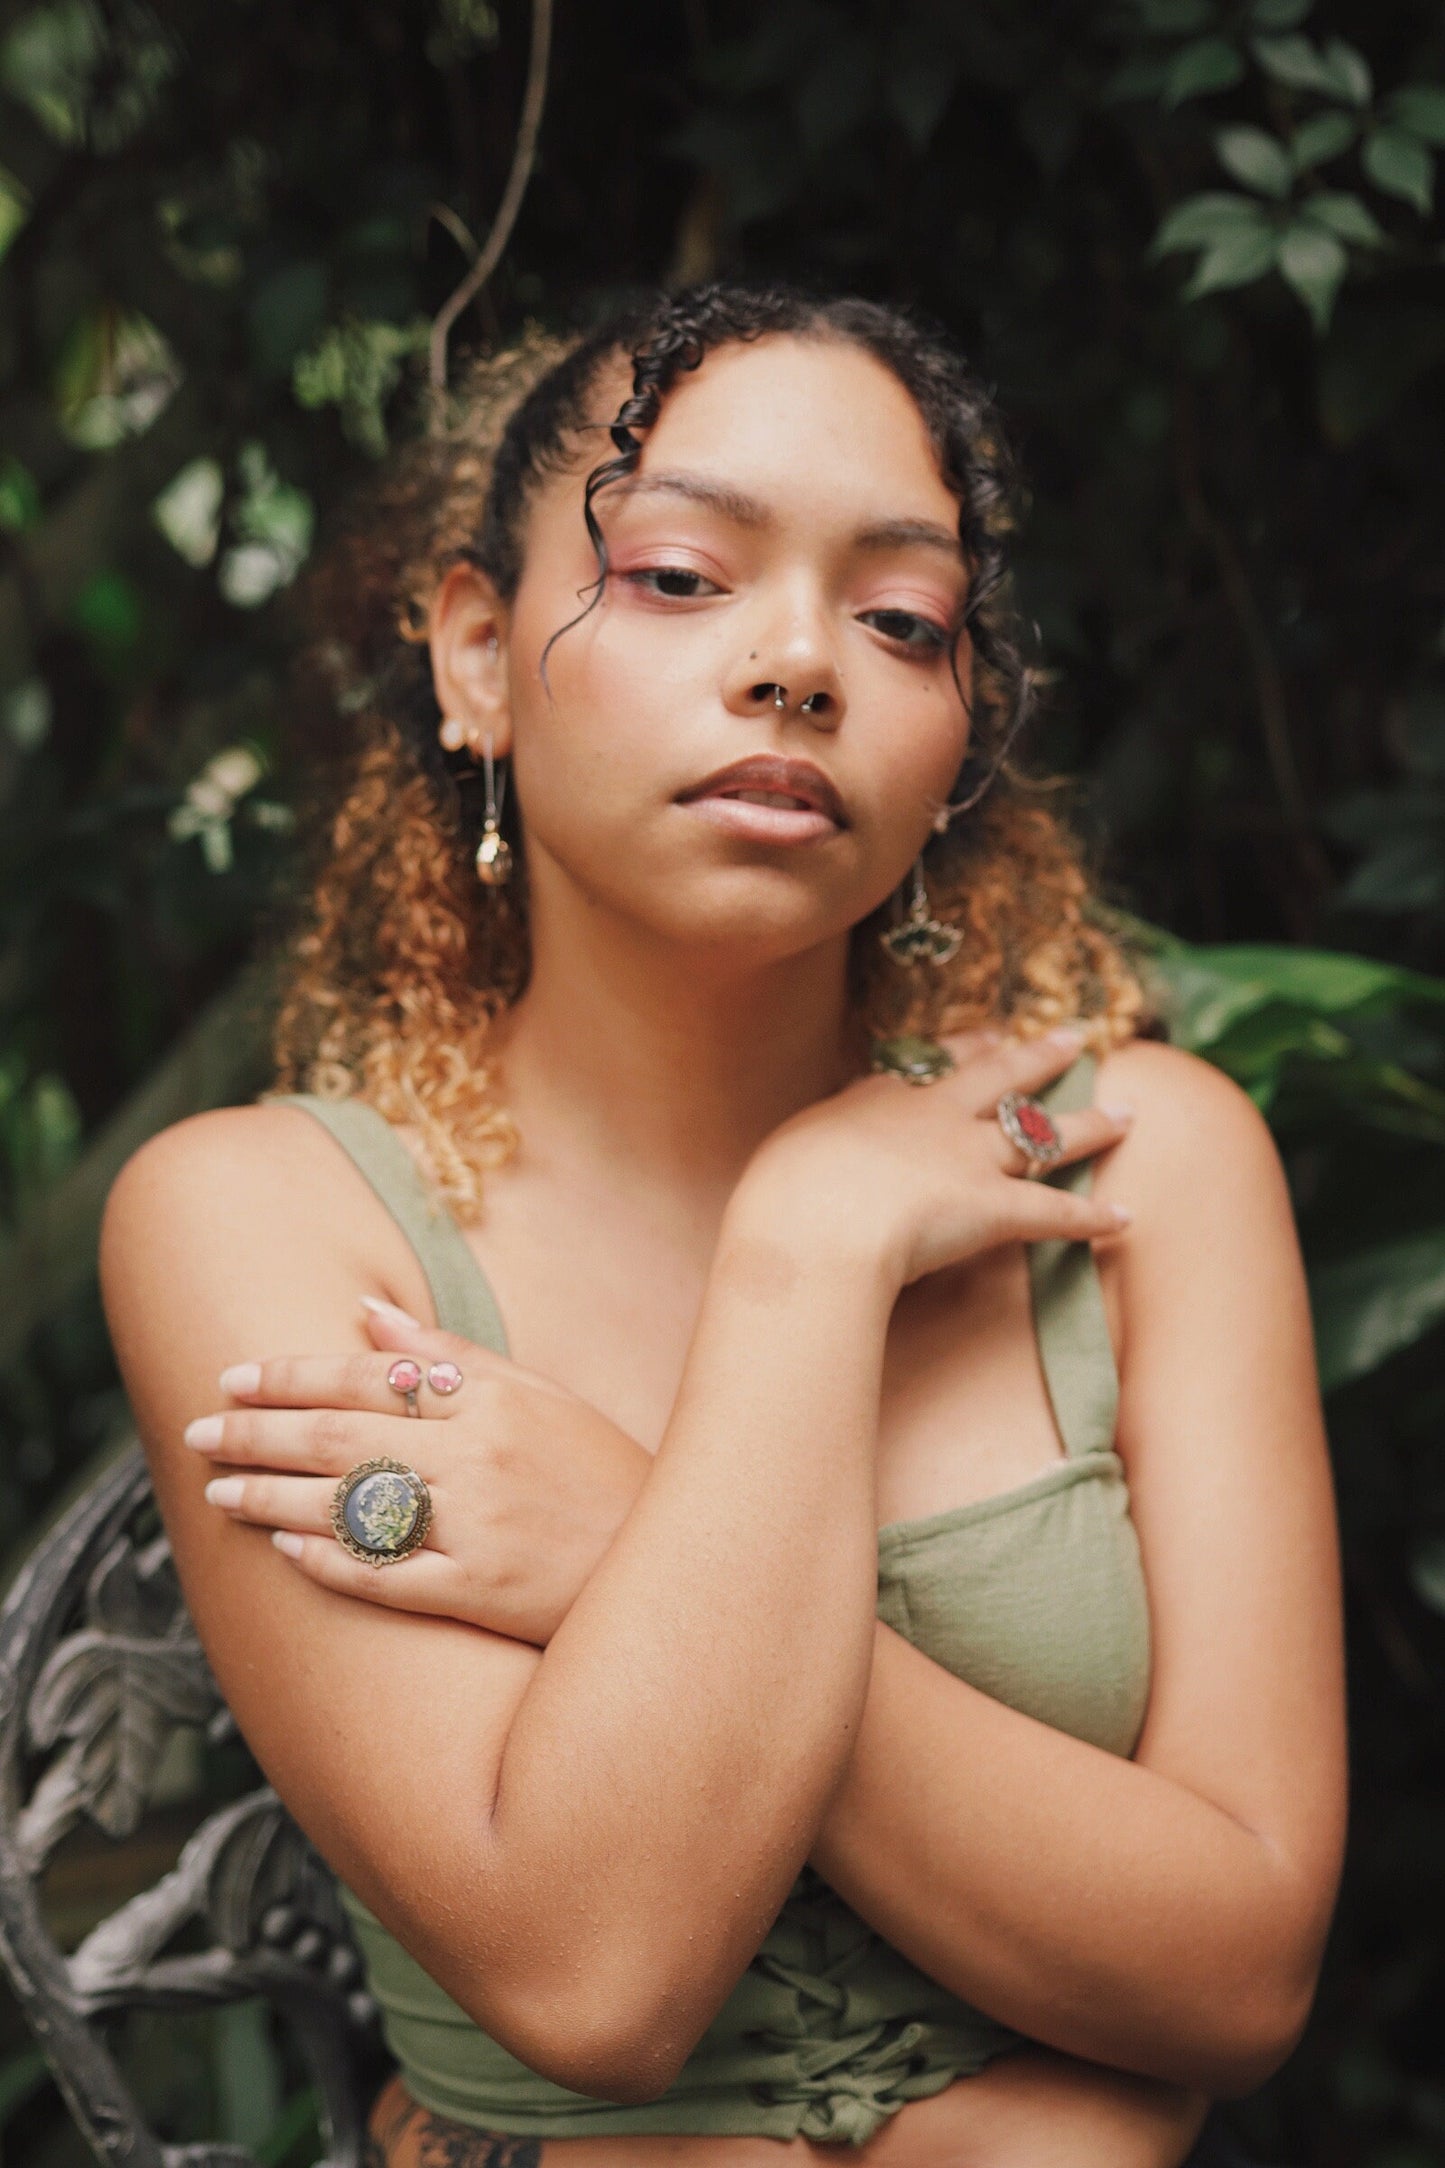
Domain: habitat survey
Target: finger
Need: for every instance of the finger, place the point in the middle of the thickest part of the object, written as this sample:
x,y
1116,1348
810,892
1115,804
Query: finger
x,y
359,1381
424,1582
1037,1212
300,1503
1014,1064
312,1441
1081,1134
393,1329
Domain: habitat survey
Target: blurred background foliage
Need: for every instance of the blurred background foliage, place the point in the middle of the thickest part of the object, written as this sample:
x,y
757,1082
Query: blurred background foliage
x,y
1198,250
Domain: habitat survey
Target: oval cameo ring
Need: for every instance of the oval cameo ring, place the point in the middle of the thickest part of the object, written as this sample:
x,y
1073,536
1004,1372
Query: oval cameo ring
x,y
1029,1127
381,1511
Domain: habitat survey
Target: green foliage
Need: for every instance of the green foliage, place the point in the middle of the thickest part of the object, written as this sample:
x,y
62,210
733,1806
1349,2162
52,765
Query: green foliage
x,y
1195,245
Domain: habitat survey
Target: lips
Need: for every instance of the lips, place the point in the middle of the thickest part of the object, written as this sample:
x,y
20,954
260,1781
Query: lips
x,y
769,778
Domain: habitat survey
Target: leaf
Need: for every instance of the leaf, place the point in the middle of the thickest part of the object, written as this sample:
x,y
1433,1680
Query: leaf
x,y
1321,137
1420,109
921,78
1207,65
1202,220
1401,165
1346,217
1313,263
1212,988
1174,18
1427,1572
1279,14
1350,71
1296,62
1370,1306
1233,261
1257,159
836,92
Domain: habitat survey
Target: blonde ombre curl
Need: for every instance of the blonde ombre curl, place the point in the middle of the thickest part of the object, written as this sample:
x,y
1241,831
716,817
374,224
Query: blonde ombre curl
x,y
401,961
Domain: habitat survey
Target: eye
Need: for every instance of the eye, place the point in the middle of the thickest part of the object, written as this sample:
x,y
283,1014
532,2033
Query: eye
x,y
920,634
677,577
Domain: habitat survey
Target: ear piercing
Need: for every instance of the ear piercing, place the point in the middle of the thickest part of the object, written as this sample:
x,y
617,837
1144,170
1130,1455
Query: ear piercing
x,y
494,853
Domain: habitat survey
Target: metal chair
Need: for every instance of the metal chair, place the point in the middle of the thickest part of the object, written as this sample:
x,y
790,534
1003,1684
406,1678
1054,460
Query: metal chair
x,y
99,1667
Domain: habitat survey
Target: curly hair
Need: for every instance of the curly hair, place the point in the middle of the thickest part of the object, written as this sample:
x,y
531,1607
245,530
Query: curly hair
x,y
402,963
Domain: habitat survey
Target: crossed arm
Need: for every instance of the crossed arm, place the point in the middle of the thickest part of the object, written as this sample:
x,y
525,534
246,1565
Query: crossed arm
x,y
1164,1916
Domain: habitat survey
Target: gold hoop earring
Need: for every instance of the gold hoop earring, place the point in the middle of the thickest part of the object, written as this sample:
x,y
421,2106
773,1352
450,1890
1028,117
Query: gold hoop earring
x,y
919,937
494,853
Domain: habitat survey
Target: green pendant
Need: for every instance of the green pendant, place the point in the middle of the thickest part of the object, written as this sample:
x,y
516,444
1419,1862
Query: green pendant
x,y
916,1060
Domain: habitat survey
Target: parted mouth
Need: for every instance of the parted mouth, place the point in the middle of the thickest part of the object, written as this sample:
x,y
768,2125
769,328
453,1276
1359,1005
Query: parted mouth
x,y
770,779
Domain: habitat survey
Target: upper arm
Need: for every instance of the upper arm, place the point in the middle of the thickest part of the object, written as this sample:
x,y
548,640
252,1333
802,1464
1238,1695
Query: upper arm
x,y
242,1234
1222,1433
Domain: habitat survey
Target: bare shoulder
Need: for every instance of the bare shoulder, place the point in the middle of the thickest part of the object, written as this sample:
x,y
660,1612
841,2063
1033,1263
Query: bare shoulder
x,y
1197,1137
246,1183
229,1156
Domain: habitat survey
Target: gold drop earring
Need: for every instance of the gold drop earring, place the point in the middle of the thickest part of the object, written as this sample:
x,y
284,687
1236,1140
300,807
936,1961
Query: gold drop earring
x,y
494,853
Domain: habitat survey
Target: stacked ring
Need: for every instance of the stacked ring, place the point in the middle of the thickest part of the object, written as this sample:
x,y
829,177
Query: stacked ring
x,y
381,1511
1029,1127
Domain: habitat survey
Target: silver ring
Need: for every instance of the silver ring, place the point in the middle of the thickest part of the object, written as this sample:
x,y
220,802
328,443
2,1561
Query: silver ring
x,y
1030,1129
381,1511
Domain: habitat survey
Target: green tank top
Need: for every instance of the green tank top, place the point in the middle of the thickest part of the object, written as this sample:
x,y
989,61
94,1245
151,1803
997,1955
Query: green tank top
x,y
1036,1596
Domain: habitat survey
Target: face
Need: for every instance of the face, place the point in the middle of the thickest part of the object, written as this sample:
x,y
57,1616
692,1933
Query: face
x,y
786,527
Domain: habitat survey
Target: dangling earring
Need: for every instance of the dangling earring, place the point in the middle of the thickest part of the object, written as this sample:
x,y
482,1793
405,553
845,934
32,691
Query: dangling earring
x,y
920,938
494,853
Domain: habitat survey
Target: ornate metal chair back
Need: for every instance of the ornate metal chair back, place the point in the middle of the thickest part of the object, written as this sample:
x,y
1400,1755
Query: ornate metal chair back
x,y
99,1666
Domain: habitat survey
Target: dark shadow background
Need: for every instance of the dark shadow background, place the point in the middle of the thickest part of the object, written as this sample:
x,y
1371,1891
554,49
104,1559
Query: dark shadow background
x,y
225,226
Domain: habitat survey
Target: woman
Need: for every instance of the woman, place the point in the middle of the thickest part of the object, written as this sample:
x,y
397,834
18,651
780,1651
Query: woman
x,y
871,1675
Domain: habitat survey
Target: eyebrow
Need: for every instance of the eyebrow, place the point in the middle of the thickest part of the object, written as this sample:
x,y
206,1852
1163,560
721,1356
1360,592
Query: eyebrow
x,y
745,511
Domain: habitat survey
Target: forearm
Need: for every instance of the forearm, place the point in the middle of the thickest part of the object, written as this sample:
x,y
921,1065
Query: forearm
x,y
670,1761
1094,1904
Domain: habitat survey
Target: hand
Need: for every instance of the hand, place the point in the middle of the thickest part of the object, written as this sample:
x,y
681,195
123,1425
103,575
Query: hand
x,y
921,1177
529,1483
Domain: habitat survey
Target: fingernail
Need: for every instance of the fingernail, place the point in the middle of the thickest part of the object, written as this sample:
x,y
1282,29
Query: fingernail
x,y
226,1490
1120,1214
204,1433
291,1544
1066,1035
391,1313
240,1379
1118,1114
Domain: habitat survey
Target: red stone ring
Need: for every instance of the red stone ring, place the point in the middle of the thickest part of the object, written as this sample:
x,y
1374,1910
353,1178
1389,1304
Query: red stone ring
x,y
1029,1128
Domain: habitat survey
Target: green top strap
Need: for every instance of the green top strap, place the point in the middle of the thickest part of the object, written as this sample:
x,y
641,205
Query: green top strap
x,y
1068,1305
1069,1316
463,1299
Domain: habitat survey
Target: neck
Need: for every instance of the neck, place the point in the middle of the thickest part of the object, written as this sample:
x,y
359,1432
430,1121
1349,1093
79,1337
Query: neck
x,y
656,1065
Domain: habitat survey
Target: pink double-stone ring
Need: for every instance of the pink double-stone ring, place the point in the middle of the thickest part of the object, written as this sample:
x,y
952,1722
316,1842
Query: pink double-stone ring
x,y
405,1376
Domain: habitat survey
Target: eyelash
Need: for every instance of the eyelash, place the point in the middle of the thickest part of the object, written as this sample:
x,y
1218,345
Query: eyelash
x,y
934,644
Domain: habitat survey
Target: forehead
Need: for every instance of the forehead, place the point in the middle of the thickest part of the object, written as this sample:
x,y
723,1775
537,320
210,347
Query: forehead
x,y
820,430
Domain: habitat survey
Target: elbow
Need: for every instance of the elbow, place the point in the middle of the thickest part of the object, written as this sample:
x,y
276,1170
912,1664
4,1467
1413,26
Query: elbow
x,y
1264,2030
602,2046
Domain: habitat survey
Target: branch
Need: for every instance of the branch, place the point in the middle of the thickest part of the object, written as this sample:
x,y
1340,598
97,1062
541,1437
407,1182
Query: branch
x,y
533,100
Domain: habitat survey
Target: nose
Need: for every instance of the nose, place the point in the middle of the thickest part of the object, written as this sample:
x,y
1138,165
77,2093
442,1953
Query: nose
x,y
791,670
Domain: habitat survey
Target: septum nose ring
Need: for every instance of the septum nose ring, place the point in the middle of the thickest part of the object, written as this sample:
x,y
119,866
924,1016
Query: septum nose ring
x,y
780,700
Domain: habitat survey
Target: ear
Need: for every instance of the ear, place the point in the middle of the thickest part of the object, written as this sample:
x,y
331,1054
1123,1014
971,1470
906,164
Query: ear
x,y
467,627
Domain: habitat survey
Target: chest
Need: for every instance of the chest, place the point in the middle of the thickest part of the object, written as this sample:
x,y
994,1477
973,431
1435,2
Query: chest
x,y
607,1307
